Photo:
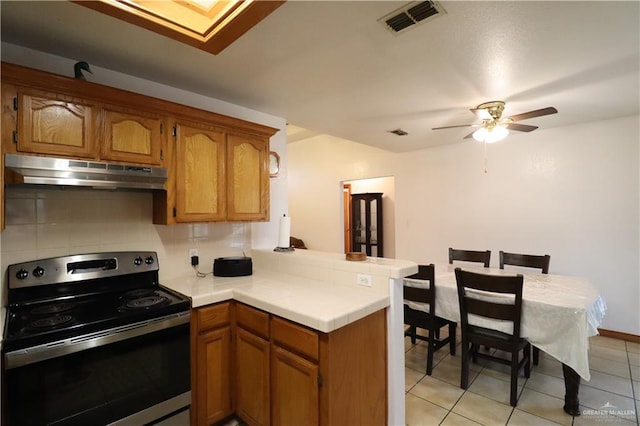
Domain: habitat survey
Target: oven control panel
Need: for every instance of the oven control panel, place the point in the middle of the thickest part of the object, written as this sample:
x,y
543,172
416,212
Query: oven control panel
x,y
80,267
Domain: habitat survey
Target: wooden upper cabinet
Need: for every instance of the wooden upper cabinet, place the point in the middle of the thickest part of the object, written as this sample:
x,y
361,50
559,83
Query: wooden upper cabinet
x,y
50,124
218,166
247,178
200,173
131,137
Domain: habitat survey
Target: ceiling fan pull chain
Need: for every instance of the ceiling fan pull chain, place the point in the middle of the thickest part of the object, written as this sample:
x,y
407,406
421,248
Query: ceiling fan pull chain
x,y
485,157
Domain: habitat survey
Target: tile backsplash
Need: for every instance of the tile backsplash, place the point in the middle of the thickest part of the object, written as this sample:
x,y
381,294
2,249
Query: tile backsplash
x,y
48,221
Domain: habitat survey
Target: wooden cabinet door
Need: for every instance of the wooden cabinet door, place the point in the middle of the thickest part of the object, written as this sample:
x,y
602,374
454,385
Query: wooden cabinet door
x,y
200,173
252,378
247,178
294,389
213,364
52,124
131,137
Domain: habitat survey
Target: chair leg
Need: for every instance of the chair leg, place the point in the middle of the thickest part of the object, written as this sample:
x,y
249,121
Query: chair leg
x,y
413,331
474,353
527,364
452,338
430,348
464,373
536,355
514,378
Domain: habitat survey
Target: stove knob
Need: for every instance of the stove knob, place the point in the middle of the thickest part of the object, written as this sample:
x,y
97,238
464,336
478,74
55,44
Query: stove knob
x,y
137,261
38,272
149,260
22,274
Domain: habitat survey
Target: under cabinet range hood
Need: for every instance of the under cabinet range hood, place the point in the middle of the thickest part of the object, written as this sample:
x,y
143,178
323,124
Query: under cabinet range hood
x,y
64,172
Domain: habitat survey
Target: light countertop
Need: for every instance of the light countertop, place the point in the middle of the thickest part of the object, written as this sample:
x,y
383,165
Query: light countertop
x,y
315,289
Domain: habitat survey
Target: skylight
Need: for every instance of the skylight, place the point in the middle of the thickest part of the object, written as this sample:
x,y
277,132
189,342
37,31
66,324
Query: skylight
x,y
210,25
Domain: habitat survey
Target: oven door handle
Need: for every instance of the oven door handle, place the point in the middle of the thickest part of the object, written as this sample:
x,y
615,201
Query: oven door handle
x,y
71,345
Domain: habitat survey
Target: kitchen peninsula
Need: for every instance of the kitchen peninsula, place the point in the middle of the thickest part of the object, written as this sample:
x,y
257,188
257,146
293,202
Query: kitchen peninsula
x,y
303,320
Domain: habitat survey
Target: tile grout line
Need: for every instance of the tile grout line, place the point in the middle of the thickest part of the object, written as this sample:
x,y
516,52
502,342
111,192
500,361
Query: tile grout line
x,y
633,390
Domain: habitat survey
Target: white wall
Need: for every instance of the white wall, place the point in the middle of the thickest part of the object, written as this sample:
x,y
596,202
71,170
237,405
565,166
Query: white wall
x,y
572,193
317,168
49,222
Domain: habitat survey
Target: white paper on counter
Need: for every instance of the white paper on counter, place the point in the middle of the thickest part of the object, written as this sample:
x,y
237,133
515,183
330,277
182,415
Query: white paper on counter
x,y
285,232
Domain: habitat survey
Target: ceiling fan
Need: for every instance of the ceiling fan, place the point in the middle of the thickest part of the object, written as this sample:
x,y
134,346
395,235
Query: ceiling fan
x,y
493,127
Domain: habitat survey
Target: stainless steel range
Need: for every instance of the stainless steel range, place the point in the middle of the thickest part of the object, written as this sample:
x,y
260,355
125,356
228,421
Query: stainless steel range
x,y
94,339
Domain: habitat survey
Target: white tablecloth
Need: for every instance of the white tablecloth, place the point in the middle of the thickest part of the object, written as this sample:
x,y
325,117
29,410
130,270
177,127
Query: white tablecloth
x,y
559,312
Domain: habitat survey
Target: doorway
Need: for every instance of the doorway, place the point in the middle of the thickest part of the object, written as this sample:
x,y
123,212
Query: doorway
x,y
385,185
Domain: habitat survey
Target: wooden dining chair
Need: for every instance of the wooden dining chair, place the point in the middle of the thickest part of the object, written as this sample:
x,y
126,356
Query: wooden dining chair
x,y
493,297
527,261
483,257
420,292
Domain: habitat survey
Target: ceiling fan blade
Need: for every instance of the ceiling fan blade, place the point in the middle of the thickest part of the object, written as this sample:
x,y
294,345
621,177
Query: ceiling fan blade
x,y
520,127
470,135
532,114
458,125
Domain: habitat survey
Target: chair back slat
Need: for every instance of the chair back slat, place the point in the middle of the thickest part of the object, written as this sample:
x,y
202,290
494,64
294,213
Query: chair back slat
x,y
488,300
491,310
525,260
483,257
416,294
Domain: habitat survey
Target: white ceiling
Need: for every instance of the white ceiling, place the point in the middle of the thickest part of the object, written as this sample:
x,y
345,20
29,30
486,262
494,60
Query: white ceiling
x,y
330,68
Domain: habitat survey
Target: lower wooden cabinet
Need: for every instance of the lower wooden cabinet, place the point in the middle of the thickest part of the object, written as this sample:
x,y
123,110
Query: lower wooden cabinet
x,y
294,390
211,364
252,378
283,373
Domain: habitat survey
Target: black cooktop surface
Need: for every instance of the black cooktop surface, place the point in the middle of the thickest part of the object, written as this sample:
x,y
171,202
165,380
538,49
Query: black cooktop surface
x,y
49,321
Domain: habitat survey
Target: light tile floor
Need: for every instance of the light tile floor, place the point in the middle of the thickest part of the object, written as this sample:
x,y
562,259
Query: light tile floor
x,y
611,397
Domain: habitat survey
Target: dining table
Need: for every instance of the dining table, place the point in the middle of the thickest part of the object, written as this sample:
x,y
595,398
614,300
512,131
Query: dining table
x,y
559,314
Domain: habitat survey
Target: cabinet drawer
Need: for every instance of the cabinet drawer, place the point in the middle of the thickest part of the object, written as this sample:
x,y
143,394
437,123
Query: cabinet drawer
x,y
213,316
253,320
295,337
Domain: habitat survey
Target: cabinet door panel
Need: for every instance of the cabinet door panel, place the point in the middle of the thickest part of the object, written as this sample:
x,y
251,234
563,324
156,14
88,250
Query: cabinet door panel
x,y
294,389
130,137
47,125
213,378
200,180
248,175
252,378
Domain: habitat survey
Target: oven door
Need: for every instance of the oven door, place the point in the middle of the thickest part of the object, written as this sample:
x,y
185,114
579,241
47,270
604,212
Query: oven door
x,y
136,380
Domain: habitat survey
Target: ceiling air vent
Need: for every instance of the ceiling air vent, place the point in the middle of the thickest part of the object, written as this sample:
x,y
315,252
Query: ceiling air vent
x,y
399,132
411,14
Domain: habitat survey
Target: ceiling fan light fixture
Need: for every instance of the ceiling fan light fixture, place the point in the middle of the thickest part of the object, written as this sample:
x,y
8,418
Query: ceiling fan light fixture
x,y
491,135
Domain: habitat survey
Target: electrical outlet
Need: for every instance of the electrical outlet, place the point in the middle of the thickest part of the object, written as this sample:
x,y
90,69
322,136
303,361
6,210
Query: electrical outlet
x,y
364,279
192,252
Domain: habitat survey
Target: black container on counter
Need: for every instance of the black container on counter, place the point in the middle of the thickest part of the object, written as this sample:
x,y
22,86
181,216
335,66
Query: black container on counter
x,y
236,266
